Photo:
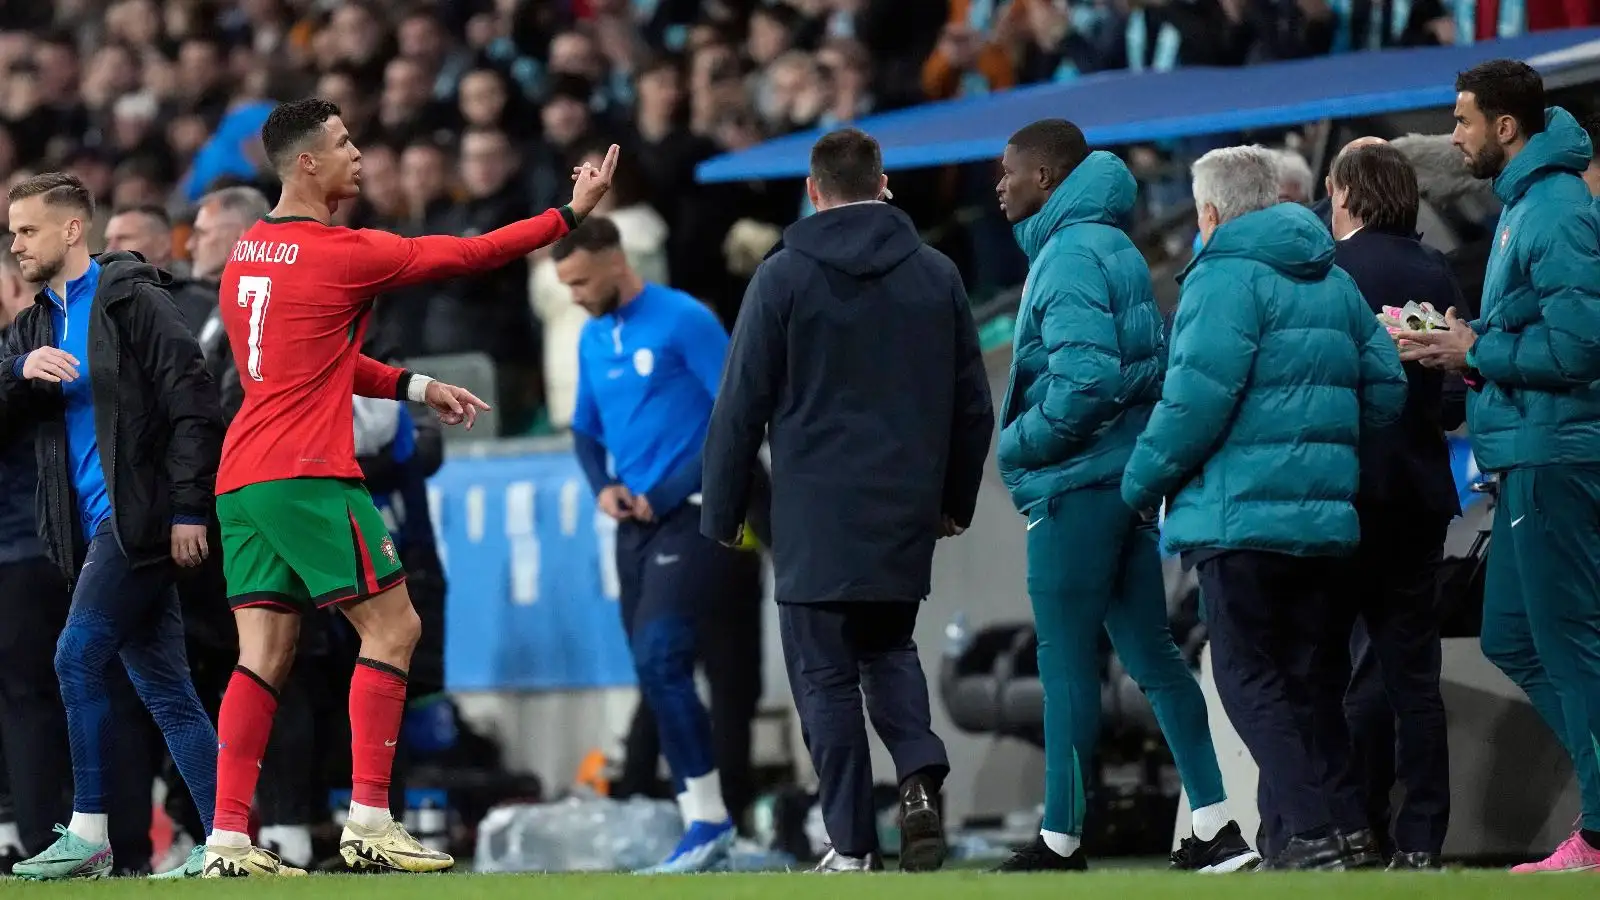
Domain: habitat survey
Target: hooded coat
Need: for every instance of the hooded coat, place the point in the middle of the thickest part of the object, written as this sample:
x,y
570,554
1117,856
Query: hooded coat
x,y
1089,354
856,357
1538,347
1277,367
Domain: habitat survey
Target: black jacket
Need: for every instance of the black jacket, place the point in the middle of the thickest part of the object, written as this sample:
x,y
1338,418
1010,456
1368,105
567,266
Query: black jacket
x,y
19,482
156,416
1407,466
856,355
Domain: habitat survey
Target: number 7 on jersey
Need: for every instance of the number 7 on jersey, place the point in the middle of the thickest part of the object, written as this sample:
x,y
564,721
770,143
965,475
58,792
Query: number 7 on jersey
x,y
255,292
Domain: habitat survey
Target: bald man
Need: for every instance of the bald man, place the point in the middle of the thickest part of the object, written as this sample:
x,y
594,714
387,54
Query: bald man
x,y
145,230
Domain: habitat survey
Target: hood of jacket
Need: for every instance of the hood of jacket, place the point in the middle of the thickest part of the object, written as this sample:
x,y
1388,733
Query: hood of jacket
x,y
1100,189
859,239
1563,146
123,271
1288,237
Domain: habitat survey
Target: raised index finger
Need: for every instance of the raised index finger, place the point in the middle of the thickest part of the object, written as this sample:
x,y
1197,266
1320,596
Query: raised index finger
x,y
610,164
470,399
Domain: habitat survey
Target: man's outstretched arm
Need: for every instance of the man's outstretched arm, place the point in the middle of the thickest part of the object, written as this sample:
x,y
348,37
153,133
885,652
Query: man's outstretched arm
x,y
381,261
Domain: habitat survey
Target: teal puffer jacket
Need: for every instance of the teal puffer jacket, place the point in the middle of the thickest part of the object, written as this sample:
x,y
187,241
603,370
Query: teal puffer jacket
x,y
1538,348
1277,366
1087,358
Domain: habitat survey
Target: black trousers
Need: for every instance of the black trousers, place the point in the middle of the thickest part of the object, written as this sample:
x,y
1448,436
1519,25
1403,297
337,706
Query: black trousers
x,y
836,655
1268,616
1393,705
728,644
33,724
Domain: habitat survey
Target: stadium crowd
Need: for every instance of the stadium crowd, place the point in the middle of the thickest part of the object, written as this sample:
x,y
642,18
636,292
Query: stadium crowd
x,y
470,113
470,117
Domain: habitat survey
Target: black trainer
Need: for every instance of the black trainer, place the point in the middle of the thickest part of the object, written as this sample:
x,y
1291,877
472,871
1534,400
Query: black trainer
x,y
1227,852
1415,862
1038,857
1361,850
1303,854
922,844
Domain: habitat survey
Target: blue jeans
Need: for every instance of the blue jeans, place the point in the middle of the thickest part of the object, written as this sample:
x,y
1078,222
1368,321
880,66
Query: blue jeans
x,y
134,614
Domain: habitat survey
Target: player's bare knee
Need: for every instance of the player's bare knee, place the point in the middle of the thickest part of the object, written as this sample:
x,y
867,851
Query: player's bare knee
x,y
389,627
400,631
267,643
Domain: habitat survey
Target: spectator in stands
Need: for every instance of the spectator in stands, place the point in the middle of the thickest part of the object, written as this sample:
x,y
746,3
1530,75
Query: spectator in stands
x,y
966,61
1535,419
1407,499
1256,456
1293,29
1160,35
1296,184
643,237
145,230
489,312
1085,373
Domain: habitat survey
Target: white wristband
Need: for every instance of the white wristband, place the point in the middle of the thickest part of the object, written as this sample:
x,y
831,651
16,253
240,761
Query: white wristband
x,y
417,388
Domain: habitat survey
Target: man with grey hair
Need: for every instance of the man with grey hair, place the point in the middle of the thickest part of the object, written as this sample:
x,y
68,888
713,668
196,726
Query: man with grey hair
x,y
1277,366
1295,181
221,217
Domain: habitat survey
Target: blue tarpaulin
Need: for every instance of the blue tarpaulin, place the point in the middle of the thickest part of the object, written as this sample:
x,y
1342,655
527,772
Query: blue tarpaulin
x,y
1125,107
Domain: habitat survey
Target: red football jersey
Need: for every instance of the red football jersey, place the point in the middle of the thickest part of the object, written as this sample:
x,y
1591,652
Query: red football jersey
x,y
295,298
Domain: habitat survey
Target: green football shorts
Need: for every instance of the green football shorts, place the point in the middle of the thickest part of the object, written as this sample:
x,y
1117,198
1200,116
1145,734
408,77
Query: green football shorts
x,y
302,543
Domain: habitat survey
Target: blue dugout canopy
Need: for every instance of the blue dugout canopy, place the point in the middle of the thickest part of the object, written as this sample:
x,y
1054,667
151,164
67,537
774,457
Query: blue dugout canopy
x,y
1124,107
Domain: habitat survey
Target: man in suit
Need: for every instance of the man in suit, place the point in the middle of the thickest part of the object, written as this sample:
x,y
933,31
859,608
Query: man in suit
x,y
855,352
1407,499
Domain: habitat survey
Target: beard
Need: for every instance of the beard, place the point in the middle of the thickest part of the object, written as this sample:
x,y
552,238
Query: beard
x,y
38,271
607,306
1488,162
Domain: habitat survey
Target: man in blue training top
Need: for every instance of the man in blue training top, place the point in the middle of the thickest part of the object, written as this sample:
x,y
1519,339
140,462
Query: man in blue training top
x,y
129,436
648,367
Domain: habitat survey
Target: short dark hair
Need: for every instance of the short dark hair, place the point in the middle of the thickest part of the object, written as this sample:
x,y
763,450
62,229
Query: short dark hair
x,y
1507,87
1057,143
57,189
148,210
847,165
1381,188
660,62
593,234
290,125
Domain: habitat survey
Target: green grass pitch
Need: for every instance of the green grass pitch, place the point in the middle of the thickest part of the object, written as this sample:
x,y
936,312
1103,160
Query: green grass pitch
x,y
1115,885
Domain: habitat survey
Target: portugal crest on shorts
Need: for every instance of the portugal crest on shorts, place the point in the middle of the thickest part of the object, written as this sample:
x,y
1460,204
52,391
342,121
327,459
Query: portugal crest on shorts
x,y
388,550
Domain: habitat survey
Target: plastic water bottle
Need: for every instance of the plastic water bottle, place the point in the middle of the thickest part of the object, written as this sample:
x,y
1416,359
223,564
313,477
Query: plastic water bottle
x,y
578,835
957,637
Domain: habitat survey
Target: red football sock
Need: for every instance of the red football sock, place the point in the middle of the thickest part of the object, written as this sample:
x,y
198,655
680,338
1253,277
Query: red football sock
x,y
242,731
377,702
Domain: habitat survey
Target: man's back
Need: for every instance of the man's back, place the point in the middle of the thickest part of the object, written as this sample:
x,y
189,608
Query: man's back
x,y
1277,365
872,412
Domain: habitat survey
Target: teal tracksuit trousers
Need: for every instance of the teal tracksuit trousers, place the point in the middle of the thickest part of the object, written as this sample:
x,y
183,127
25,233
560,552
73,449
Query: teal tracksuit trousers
x,y
1541,606
1091,566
